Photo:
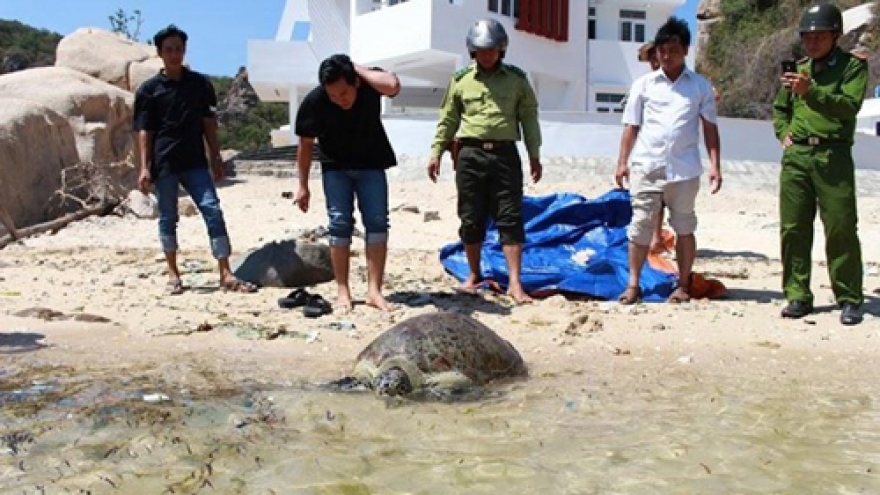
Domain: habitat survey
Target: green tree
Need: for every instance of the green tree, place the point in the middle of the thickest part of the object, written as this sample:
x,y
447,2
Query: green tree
x,y
24,46
127,25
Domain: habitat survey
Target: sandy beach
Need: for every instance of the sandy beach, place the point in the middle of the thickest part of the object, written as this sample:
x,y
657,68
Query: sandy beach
x,y
209,341
111,267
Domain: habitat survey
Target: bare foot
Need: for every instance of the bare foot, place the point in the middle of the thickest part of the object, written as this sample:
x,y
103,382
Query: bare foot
x,y
342,307
378,301
343,301
471,285
519,295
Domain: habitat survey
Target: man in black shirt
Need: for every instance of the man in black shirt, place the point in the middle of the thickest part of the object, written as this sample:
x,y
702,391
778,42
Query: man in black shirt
x,y
174,114
344,114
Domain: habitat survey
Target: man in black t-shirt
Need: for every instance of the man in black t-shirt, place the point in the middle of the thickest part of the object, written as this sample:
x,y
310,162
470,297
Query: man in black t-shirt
x,y
344,114
174,116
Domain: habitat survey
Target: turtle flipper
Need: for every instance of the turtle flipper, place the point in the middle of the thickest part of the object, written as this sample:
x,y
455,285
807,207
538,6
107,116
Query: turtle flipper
x,y
348,384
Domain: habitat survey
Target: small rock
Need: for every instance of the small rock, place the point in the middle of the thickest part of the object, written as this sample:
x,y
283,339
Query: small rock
x,y
156,397
431,216
186,208
89,318
687,359
408,208
343,326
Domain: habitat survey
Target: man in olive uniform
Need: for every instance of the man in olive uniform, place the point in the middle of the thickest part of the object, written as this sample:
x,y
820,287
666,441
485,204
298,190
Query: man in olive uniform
x,y
814,116
486,104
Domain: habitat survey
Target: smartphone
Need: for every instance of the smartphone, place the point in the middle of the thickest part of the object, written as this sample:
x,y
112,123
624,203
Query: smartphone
x,y
789,66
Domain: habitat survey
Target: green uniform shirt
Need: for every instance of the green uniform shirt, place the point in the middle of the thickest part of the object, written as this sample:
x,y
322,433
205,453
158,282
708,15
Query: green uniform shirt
x,y
828,110
489,107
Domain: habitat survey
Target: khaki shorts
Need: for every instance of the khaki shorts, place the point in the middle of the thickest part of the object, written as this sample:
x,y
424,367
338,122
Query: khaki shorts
x,y
650,192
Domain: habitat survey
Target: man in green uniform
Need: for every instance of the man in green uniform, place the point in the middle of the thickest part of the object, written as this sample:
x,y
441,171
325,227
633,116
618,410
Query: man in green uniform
x,y
814,116
486,104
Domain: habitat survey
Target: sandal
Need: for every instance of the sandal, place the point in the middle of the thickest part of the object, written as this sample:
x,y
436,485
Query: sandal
x,y
174,287
316,306
237,285
631,295
295,299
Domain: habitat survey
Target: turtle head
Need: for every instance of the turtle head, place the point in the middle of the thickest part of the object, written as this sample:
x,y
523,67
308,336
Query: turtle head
x,y
392,382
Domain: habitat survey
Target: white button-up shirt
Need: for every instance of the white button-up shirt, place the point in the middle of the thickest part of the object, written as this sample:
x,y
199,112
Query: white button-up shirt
x,y
668,116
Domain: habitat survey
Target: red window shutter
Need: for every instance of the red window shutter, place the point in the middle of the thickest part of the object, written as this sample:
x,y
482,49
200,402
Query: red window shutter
x,y
547,18
562,34
524,21
535,21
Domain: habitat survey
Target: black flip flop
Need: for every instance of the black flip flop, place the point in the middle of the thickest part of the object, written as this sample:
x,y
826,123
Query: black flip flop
x,y
317,306
297,298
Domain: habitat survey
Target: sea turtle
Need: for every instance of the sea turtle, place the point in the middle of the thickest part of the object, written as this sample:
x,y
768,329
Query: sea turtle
x,y
440,353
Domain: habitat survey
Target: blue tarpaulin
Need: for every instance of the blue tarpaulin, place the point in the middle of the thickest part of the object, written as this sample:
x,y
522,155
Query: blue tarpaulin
x,y
573,245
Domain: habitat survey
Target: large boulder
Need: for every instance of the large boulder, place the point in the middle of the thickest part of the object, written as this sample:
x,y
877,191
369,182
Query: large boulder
x,y
138,72
36,143
99,113
240,98
287,263
108,56
708,14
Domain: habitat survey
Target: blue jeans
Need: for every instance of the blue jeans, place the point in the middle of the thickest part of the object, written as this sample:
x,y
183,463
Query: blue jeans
x,y
370,187
200,186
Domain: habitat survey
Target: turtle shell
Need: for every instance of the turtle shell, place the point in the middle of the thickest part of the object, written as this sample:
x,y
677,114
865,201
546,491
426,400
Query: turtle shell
x,y
445,342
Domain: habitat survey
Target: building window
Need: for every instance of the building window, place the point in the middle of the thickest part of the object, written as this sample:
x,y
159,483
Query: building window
x,y
509,8
632,14
632,25
609,97
591,24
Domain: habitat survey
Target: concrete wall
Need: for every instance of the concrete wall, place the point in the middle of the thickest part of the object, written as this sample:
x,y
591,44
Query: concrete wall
x,y
580,134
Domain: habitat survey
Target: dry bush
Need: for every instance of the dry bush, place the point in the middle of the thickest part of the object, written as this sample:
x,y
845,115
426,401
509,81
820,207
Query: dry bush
x,y
742,56
88,184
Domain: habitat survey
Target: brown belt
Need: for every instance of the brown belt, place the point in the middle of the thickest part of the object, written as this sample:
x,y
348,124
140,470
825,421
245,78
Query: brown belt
x,y
485,145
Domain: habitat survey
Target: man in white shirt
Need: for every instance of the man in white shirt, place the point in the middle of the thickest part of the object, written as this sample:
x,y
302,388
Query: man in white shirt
x,y
661,137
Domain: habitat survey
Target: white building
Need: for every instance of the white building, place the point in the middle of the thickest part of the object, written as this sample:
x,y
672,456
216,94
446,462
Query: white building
x,y
580,55
868,119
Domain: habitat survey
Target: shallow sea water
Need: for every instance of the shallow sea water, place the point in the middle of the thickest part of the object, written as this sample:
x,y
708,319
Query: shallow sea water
x,y
670,433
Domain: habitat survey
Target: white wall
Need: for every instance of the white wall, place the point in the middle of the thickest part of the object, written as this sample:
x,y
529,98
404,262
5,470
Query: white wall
x,y
391,32
435,32
608,16
866,120
425,40
581,134
272,63
330,27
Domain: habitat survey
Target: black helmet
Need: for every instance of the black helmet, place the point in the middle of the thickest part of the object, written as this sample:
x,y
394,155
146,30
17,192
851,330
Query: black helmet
x,y
823,16
486,34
